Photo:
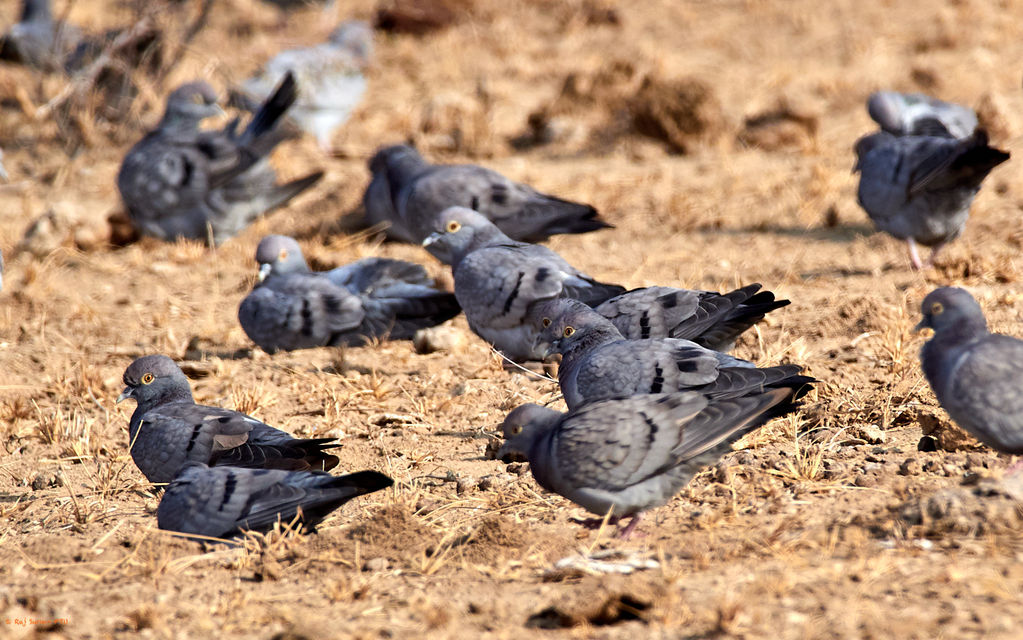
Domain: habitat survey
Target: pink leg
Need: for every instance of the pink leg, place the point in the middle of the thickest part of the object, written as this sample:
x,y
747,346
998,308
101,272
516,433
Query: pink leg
x,y
629,529
914,257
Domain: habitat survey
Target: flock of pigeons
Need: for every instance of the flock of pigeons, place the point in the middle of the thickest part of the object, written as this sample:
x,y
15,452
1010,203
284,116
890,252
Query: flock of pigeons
x,y
652,394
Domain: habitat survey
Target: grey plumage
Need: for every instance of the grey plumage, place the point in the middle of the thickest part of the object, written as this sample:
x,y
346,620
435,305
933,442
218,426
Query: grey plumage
x,y
976,375
498,280
915,114
599,364
179,179
168,429
712,320
634,454
220,502
295,308
419,191
36,40
330,75
920,188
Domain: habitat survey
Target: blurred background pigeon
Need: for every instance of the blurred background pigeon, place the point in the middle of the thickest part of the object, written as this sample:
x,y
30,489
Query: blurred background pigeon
x,y
182,182
330,77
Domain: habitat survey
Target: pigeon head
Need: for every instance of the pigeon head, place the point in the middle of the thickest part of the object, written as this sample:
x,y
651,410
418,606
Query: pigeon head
x,y
952,311
522,427
565,325
190,104
396,159
458,231
279,255
356,37
151,380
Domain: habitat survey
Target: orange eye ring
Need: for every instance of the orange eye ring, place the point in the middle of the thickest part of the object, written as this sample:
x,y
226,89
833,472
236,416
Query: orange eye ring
x,y
937,309
453,226
283,255
147,378
546,322
516,430
569,330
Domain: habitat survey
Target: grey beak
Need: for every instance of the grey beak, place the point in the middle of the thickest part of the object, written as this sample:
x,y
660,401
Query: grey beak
x,y
127,393
430,239
264,271
920,326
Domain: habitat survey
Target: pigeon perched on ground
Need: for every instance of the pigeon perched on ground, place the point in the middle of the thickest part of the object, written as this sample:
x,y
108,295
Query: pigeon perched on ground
x,y
178,179
419,191
712,320
915,114
627,456
169,429
36,40
976,375
920,188
599,364
220,502
295,308
330,75
498,280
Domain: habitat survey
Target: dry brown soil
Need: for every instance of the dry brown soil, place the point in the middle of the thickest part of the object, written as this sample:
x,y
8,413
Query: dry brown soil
x,y
717,137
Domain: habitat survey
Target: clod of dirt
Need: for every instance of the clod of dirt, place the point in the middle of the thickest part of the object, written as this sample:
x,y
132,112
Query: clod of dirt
x,y
419,17
681,113
442,338
996,117
46,480
599,601
946,434
392,533
784,126
988,507
64,225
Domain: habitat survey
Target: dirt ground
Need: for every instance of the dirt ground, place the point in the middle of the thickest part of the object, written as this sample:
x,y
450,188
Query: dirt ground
x,y
716,136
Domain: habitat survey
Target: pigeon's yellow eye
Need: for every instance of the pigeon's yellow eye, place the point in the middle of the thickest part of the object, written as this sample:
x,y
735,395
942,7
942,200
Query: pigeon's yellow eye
x,y
516,430
147,378
568,331
937,309
546,322
283,255
454,226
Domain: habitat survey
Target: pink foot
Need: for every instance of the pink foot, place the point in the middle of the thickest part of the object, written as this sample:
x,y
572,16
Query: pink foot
x,y
629,530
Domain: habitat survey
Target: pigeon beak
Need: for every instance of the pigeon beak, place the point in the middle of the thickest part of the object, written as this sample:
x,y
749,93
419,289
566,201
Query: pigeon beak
x,y
127,393
264,271
508,455
925,326
430,239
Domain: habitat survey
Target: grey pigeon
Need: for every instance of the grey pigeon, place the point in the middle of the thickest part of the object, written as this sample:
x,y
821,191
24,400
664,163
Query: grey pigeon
x,y
627,456
920,188
295,308
976,375
498,280
419,191
36,40
915,114
599,364
712,320
179,179
330,75
221,502
169,429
